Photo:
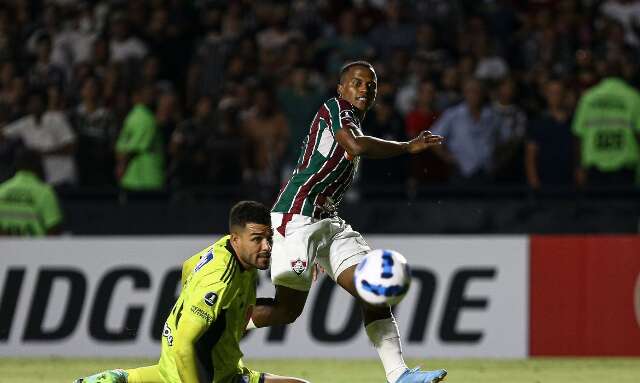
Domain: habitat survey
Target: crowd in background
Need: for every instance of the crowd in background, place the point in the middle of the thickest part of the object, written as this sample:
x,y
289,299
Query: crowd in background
x,y
171,95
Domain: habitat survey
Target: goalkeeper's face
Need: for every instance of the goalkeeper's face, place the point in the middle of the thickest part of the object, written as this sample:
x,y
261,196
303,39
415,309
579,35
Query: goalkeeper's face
x,y
253,243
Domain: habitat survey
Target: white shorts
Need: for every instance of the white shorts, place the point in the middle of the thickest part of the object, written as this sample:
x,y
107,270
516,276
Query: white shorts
x,y
330,242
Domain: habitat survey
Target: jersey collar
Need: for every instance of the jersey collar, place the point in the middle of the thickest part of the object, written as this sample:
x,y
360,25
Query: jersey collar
x,y
235,256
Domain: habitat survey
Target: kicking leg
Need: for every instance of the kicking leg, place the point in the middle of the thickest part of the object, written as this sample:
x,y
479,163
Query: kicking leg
x,y
285,308
382,330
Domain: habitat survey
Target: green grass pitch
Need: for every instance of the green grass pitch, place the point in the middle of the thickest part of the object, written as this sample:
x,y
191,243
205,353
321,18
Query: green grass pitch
x,y
538,370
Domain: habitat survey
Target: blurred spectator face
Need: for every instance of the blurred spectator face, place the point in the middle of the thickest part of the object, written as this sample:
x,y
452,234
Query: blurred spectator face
x,y
473,93
235,67
203,107
263,101
17,90
426,94
89,90
392,11
299,78
166,107
279,16
506,91
150,68
36,105
159,21
554,94
212,20
44,49
6,73
54,97
119,28
347,23
100,50
425,36
143,95
450,79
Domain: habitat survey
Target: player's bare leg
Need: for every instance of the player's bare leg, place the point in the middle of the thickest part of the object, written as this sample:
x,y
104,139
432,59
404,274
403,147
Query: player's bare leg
x,y
382,330
285,308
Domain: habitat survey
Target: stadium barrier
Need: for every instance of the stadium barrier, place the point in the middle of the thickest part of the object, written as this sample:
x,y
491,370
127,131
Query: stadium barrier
x,y
472,296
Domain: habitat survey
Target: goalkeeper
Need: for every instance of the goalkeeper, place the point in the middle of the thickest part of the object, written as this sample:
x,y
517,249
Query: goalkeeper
x,y
200,339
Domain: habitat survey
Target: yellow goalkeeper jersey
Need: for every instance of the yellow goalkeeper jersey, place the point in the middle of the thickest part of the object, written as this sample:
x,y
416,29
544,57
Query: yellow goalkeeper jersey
x,y
218,292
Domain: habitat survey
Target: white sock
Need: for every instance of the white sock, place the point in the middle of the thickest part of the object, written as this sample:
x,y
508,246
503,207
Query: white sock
x,y
385,337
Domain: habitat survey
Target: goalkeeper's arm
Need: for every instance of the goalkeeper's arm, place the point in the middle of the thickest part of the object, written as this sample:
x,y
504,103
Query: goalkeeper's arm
x,y
188,333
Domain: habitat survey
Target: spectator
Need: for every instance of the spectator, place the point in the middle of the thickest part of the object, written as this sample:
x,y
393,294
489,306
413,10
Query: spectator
x,y
267,135
393,32
627,13
607,122
509,152
43,72
139,148
449,93
298,99
471,130
347,45
28,207
550,158
49,133
490,66
386,123
425,166
124,47
97,132
190,163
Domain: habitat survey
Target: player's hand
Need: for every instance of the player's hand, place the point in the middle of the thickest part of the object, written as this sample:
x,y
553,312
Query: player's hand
x,y
423,141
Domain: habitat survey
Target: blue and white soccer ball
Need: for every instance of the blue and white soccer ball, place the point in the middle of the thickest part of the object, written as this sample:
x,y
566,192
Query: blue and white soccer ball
x,y
383,277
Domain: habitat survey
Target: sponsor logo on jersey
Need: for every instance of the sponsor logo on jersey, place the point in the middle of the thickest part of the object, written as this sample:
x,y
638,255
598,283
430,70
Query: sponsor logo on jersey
x,y
201,313
298,266
204,260
210,298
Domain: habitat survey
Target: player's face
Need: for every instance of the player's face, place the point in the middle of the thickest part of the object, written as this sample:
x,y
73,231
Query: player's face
x,y
253,245
359,86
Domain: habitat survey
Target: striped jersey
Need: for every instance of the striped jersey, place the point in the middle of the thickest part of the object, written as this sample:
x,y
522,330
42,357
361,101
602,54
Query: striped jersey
x,y
219,293
323,173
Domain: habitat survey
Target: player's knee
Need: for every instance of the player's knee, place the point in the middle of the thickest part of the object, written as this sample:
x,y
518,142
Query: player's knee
x,y
372,312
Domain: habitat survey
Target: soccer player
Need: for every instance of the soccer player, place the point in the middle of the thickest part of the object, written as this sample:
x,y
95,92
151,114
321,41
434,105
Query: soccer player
x,y
309,230
200,339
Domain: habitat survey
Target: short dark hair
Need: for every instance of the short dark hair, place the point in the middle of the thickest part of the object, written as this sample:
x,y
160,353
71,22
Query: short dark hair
x,y
28,159
245,212
345,68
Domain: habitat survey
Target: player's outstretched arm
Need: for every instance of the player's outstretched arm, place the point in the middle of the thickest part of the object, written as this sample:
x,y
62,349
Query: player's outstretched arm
x,y
189,331
372,147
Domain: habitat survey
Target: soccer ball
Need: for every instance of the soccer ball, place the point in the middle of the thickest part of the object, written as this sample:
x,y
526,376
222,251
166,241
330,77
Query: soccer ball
x,y
383,277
